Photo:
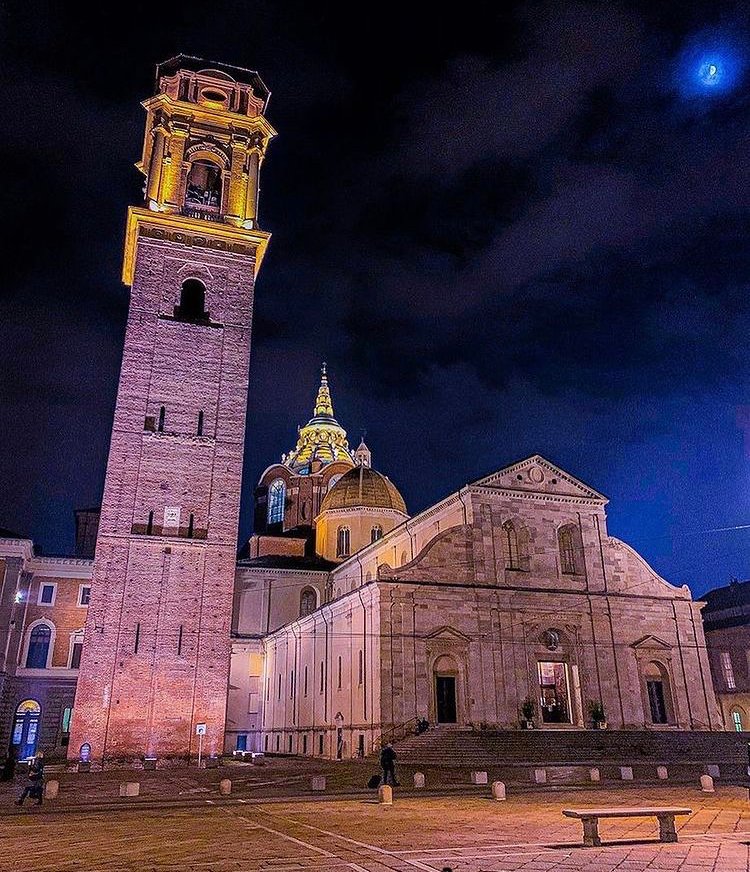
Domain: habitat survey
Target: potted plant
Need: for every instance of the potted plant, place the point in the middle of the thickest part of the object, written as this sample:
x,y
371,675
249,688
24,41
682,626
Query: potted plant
x,y
596,710
527,714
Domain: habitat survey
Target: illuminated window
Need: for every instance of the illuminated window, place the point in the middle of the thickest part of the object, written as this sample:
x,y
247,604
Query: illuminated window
x,y
376,533
737,721
342,542
307,602
40,640
727,670
276,501
566,542
67,714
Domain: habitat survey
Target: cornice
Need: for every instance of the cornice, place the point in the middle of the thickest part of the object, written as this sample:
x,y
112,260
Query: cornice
x,y
210,115
62,567
534,496
214,235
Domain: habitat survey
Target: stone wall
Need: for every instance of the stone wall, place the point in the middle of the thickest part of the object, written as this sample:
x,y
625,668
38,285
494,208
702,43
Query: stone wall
x,y
156,659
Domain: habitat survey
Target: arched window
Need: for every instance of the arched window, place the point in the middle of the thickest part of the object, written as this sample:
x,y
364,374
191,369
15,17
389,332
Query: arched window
x,y
40,640
192,307
276,501
511,546
567,540
376,533
203,189
342,542
737,720
26,728
307,602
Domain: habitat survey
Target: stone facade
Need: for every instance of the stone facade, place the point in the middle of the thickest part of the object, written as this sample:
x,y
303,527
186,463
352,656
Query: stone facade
x,y
477,623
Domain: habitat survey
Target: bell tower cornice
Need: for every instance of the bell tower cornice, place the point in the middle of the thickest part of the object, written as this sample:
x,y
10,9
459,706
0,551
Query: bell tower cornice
x,y
188,231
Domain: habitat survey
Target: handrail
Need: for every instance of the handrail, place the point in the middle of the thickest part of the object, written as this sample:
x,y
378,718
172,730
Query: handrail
x,y
399,731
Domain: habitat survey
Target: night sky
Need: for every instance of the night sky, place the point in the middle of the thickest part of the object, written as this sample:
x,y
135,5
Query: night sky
x,y
517,228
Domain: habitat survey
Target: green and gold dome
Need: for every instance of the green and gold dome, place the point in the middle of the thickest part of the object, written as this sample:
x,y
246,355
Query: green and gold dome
x,y
322,440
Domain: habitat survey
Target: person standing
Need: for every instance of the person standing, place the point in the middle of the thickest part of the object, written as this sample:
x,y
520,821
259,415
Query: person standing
x,y
35,787
9,764
388,764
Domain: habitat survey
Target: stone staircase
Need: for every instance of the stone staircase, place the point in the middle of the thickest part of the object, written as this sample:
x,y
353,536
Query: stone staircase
x,y
465,748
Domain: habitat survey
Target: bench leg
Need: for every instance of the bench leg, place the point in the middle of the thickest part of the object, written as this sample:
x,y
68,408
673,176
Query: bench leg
x,y
667,832
591,832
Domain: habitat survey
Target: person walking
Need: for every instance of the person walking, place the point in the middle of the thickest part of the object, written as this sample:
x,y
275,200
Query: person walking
x,y
35,787
387,763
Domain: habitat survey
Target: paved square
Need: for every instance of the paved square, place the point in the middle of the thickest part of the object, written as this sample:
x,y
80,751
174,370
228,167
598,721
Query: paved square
x,y
465,834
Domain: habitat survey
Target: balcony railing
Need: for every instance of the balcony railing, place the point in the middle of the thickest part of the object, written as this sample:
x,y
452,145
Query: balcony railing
x,y
204,213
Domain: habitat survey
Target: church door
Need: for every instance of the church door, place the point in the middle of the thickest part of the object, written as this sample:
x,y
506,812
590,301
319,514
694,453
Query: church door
x,y
445,691
657,702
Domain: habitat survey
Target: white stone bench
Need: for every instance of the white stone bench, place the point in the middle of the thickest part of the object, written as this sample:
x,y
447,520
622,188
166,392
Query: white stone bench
x,y
590,818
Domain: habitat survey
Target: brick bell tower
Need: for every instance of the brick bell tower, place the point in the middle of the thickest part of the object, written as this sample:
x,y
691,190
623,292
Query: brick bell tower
x,y
156,655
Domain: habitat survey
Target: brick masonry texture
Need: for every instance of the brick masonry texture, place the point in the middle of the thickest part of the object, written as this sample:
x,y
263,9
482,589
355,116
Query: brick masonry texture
x,y
156,659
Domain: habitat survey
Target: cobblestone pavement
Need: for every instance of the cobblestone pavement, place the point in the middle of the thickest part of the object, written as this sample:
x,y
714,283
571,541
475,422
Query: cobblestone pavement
x,y
464,834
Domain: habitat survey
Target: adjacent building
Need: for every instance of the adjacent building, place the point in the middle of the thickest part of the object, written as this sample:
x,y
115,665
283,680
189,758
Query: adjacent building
x,y
726,622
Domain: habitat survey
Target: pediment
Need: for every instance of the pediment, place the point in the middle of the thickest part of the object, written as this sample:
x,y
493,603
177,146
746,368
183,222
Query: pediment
x,y
652,642
448,633
540,476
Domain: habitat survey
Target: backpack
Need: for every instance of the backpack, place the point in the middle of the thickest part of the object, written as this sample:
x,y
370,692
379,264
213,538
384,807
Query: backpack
x,y
374,782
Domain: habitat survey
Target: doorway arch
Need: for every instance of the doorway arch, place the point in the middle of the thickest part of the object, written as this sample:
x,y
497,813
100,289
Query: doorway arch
x,y
445,679
25,733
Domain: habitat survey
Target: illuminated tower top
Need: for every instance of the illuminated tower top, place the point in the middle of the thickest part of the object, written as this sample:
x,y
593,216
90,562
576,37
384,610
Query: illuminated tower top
x,y
206,137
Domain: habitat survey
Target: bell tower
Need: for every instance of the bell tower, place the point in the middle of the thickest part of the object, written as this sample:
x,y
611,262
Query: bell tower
x,y
155,662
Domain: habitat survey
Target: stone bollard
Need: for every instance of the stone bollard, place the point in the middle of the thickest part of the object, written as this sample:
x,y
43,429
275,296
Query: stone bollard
x,y
713,770
130,788
51,789
478,777
539,776
661,773
626,773
707,784
385,794
594,774
225,786
498,791
318,782
419,779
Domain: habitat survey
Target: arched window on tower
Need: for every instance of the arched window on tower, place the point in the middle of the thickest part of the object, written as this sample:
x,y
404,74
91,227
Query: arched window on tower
x,y
192,307
276,501
203,190
307,602
342,542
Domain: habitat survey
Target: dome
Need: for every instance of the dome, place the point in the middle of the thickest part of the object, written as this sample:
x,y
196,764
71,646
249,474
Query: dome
x,y
363,487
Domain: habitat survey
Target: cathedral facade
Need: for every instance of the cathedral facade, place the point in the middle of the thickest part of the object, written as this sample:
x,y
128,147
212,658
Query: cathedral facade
x,y
344,619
